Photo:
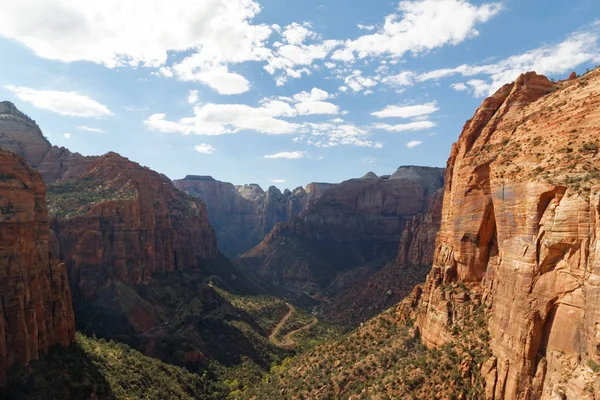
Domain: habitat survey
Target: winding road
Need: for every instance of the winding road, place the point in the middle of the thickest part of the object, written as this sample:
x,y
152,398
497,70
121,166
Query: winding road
x,y
287,341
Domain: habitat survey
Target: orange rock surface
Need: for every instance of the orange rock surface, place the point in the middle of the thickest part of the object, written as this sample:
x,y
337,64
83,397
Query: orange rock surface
x,y
520,224
35,306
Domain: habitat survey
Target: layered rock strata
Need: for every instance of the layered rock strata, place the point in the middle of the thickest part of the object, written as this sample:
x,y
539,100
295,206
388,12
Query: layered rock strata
x,y
35,306
352,224
520,226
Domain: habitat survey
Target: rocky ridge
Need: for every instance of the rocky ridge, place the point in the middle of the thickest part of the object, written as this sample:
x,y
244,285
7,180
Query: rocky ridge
x,y
35,311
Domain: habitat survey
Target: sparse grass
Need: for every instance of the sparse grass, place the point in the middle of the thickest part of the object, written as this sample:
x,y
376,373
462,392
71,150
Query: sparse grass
x,y
72,198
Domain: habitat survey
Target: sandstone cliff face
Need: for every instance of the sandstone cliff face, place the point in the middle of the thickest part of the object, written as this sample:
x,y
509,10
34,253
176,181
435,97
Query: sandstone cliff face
x,y
133,225
354,223
35,311
417,243
243,215
520,226
114,219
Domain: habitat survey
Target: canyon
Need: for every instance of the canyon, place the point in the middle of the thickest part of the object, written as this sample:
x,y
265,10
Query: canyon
x,y
504,238
353,224
242,215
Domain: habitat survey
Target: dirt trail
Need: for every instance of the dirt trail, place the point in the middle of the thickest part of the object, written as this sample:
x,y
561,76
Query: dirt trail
x,y
287,339
281,323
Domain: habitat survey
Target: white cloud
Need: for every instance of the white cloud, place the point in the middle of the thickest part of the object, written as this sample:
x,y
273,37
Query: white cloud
x,y
561,58
221,119
277,180
343,55
407,111
424,25
90,129
114,33
333,134
297,34
192,97
316,107
219,78
480,87
357,82
459,87
204,148
413,143
404,78
315,94
64,103
366,27
289,155
295,57
67,135
411,126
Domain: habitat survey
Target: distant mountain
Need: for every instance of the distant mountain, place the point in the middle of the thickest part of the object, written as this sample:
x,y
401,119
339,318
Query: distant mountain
x,y
243,215
357,223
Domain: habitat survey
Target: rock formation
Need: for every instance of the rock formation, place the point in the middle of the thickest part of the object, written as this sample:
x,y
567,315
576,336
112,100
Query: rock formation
x,y
35,311
113,218
520,228
21,135
132,224
243,215
354,223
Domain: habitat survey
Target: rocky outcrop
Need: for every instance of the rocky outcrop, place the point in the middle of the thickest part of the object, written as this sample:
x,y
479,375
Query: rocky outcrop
x,y
21,135
520,226
243,215
35,307
354,223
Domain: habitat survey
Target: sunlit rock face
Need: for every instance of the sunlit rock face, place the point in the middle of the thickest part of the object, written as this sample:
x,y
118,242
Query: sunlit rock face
x,y
520,222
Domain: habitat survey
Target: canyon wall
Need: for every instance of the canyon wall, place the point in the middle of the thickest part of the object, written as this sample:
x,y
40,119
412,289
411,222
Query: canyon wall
x,y
113,218
355,223
35,311
520,230
243,215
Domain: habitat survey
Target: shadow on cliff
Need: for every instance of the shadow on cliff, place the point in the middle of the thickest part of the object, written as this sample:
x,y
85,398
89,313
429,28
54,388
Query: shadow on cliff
x,y
65,373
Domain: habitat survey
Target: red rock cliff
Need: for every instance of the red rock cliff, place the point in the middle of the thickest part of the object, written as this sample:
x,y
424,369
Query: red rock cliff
x,y
35,306
113,218
133,224
520,226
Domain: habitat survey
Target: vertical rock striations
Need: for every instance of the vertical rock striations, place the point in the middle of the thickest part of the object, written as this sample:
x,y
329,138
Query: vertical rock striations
x,y
520,227
35,306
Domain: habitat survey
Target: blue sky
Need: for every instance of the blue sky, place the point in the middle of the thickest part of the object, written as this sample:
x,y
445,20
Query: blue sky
x,y
277,91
